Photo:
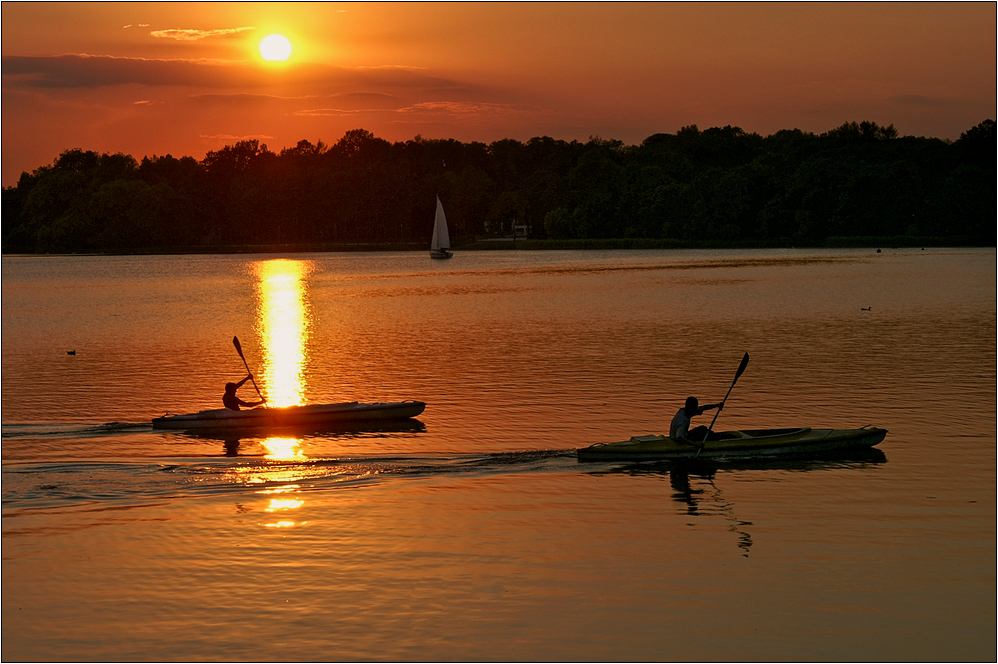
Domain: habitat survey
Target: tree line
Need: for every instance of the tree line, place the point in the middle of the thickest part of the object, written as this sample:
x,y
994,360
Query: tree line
x,y
716,186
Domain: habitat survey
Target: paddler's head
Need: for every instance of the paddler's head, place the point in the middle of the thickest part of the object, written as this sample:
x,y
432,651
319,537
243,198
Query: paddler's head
x,y
691,406
230,388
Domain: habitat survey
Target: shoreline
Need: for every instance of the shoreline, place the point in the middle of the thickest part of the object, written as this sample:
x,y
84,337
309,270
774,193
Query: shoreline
x,y
509,244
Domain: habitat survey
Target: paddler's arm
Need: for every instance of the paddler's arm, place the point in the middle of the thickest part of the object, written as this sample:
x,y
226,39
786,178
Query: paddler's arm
x,y
710,406
247,404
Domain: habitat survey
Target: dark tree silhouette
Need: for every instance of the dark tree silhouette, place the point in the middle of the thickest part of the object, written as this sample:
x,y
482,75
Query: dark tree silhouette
x,y
714,187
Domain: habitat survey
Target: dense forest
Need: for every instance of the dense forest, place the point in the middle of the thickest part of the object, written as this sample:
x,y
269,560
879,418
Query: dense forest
x,y
716,187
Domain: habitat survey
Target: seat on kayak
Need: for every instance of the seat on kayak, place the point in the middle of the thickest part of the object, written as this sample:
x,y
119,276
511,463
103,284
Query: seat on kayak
x,y
649,438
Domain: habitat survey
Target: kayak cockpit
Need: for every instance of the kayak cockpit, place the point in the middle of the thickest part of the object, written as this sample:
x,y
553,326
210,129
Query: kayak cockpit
x,y
755,434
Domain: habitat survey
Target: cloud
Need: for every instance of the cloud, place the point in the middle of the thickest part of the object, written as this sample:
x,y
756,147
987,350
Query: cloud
x,y
459,108
230,137
326,112
92,71
374,67
246,97
363,99
362,95
917,100
190,34
389,76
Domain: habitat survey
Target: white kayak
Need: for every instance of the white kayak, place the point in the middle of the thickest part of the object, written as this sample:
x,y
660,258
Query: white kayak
x,y
315,415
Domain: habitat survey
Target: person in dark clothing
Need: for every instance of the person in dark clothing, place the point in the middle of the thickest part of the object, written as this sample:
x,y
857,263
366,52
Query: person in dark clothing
x,y
679,430
231,401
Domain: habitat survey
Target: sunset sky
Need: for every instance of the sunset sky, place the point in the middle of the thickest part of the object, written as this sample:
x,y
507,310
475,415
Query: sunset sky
x,y
185,78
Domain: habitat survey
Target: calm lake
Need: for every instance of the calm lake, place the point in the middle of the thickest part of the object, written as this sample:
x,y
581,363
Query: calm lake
x,y
474,532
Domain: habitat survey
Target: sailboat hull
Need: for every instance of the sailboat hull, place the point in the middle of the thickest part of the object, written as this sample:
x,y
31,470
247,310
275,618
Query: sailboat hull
x,y
441,253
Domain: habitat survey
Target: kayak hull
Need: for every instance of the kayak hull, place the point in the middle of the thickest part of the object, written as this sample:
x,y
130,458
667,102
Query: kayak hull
x,y
315,415
749,444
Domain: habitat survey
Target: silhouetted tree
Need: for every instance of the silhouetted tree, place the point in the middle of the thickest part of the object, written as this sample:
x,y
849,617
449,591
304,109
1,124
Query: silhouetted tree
x,y
714,185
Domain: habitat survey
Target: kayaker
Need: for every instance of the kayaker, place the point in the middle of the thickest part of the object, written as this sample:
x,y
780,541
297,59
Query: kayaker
x,y
679,430
231,401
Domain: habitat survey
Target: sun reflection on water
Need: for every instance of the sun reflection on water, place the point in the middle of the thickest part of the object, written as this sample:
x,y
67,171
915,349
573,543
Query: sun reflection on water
x,y
283,319
289,488
281,504
283,448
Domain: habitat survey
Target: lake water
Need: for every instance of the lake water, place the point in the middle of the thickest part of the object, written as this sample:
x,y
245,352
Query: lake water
x,y
474,533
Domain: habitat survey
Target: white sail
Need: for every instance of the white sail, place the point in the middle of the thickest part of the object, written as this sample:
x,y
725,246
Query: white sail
x,y
441,239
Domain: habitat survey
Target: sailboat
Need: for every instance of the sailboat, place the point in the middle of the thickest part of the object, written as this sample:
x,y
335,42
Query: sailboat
x,y
440,244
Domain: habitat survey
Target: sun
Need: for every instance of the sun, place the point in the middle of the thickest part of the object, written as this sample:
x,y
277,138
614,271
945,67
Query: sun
x,y
275,47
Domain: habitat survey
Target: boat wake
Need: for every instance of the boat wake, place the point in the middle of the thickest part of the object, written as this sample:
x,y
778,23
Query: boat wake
x,y
98,485
121,482
52,430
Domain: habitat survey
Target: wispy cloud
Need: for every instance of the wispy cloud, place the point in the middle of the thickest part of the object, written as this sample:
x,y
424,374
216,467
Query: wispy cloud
x,y
246,97
192,34
388,67
359,102
93,71
361,95
230,137
462,108
326,112
918,100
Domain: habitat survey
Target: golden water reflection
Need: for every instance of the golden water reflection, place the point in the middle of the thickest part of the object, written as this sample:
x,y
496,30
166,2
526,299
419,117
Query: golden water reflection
x,y
283,321
283,325
283,448
289,488
283,504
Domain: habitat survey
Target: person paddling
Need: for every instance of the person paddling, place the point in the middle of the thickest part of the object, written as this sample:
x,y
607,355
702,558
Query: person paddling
x,y
231,401
679,430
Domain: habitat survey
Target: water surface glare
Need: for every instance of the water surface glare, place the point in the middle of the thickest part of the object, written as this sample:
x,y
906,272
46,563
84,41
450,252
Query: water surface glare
x,y
473,532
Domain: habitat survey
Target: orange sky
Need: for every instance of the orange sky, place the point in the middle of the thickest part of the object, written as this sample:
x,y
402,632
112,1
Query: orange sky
x,y
185,78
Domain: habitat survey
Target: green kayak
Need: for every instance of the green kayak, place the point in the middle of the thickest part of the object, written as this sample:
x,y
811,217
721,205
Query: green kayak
x,y
749,444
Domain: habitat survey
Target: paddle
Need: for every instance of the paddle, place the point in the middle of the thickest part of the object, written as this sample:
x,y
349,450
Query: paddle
x,y
239,349
741,370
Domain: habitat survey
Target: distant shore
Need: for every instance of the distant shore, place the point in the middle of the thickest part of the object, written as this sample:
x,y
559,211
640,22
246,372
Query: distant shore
x,y
642,243
508,244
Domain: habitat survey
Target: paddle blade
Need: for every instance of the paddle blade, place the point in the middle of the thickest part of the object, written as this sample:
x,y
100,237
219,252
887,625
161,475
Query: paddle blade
x,y
239,348
741,367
